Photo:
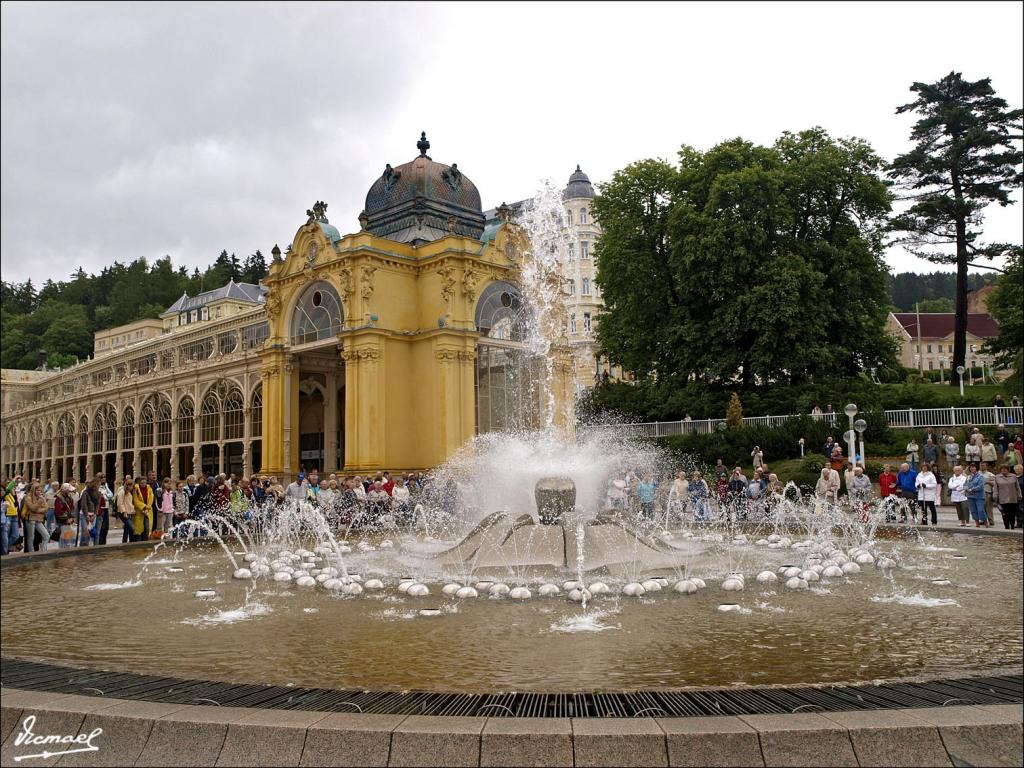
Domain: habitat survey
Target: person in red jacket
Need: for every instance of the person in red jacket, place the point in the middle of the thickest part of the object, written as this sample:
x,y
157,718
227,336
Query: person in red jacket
x,y
887,487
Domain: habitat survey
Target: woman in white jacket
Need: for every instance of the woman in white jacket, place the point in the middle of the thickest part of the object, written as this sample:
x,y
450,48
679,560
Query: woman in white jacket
x,y
957,496
927,493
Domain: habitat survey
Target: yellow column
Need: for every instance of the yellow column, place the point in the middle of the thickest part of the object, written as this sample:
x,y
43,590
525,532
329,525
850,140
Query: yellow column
x,y
365,402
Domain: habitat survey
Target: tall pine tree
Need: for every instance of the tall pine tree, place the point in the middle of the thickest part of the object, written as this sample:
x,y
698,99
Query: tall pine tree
x,y
965,157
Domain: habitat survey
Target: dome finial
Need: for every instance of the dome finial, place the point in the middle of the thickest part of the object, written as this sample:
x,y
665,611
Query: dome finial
x,y
578,168
423,145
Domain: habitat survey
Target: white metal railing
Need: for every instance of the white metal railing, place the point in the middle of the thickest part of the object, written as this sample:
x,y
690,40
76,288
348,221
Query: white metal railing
x,y
910,418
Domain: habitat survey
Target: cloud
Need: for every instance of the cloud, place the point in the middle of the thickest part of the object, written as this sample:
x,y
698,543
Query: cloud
x,y
149,129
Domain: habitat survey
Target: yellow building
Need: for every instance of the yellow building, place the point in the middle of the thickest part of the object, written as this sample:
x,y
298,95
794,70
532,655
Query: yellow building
x,y
926,339
388,348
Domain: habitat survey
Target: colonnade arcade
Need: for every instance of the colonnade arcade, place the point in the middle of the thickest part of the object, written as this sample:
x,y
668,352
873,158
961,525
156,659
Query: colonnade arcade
x,y
146,432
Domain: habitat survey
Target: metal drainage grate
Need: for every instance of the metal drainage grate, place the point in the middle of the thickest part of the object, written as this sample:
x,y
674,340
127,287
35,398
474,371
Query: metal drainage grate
x,y
1002,689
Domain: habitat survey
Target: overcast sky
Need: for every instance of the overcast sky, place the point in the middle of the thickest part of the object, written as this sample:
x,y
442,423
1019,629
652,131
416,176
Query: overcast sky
x,y
140,129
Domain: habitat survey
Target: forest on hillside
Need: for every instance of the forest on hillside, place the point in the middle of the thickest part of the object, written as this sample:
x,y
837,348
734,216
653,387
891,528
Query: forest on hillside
x,y
935,291
57,320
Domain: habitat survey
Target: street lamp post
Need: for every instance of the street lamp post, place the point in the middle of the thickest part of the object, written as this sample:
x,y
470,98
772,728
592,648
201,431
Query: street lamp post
x,y
942,370
860,425
960,372
851,411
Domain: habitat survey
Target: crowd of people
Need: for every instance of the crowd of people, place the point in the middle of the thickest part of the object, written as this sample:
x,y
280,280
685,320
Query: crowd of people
x,y
986,476
71,514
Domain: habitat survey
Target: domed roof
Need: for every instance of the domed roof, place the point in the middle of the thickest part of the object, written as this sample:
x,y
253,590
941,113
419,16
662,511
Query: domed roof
x,y
579,186
422,201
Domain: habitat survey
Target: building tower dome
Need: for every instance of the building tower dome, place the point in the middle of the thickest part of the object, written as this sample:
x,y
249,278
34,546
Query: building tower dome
x,y
579,186
422,201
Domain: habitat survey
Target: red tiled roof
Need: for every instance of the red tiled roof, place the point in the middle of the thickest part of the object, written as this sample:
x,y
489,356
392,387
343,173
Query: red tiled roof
x,y
939,325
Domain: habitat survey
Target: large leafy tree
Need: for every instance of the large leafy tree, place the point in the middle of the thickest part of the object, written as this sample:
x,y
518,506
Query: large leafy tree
x,y
966,155
747,263
1006,305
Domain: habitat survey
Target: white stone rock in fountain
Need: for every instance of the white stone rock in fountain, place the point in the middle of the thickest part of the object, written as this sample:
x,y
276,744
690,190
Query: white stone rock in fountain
x,y
374,584
796,583
832,572
761,542
775,545
250,557
941,582
261,569
483,586
322,578
786,542
569,586
205,594
662,581
546,590
666,536
767,577
450,589
633,589
790,572
685,586
355,577
330,571
345,549
387,544
865,558
817,568
499,590
333,584
520,593
418,590
814,557
277,565
355,589
284,553
885,563
305,581
242,573
282,576
851,568
598,588
466,592
838,558
651,585
774,538
404,584
699,582
809,575
728,608
579,595
732,585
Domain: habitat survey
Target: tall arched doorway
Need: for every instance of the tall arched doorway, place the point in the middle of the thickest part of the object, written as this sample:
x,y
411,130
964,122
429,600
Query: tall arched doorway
x,y
312,433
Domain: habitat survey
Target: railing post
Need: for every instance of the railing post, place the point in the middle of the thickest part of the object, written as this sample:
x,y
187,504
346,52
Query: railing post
x,y
910,412
952,416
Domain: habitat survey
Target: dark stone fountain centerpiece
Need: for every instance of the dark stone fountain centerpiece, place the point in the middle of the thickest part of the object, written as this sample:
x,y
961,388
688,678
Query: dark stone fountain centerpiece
x,y
555,497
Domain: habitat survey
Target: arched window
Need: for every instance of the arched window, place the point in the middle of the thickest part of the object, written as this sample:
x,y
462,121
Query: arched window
x,y
111,436
209,425
83,436
568,218
586,286
128,429
318,314
256,413
583,215
146,419
234,415
186,421
99,426
501,313
163,423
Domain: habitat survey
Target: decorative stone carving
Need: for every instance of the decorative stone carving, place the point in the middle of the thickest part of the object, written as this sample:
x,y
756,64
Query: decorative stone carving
x,y
317,213
452,178
311,252
345,279
467,356
447,282
446,354
366,282
469,281
391,177
273,305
